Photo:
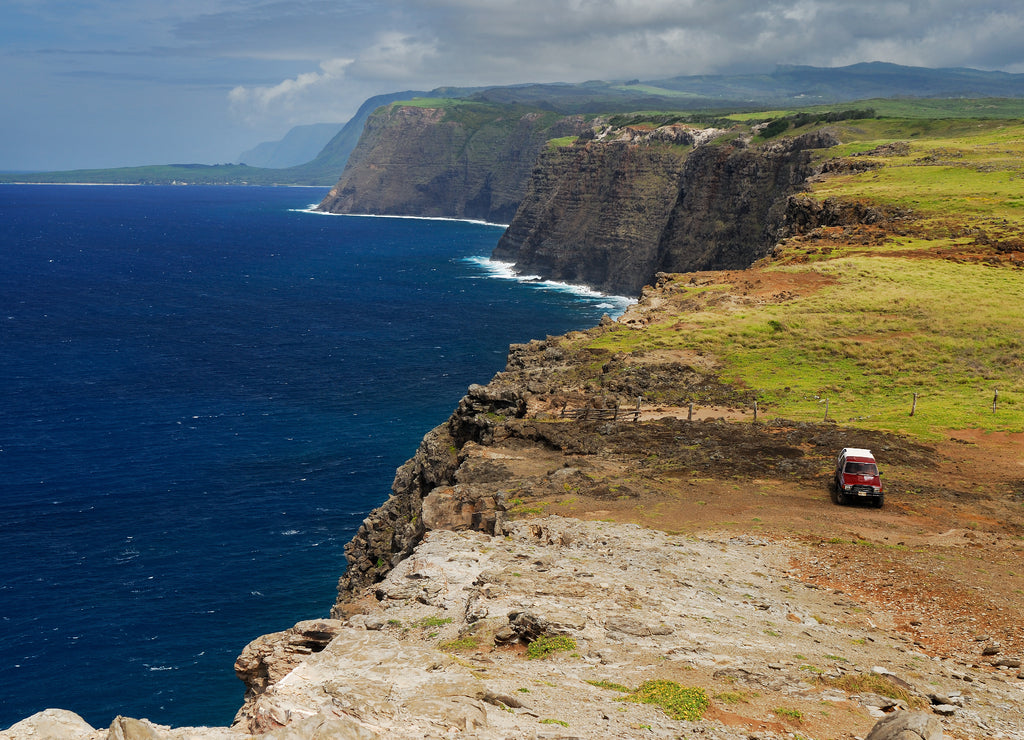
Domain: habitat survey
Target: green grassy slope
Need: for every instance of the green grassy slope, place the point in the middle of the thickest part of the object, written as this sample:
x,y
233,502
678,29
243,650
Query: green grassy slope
x,y
929,304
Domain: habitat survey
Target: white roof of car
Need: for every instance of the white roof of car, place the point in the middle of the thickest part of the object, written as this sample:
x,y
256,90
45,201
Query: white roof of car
x,y
856,452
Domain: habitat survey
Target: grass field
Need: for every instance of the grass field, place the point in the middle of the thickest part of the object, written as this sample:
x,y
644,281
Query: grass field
x,y
933,306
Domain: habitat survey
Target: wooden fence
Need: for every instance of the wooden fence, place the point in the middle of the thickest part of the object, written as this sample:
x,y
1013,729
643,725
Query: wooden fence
x,y
606,414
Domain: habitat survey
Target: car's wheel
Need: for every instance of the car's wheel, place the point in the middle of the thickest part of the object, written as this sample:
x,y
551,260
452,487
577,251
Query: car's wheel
x,y
840,499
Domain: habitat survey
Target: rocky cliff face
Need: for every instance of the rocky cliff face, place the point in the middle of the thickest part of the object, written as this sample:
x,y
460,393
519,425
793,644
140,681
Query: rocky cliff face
x,y
466,160
594,214
612,213
432,491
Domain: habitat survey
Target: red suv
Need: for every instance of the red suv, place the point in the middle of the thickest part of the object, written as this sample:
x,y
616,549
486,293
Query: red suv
x,y
857,477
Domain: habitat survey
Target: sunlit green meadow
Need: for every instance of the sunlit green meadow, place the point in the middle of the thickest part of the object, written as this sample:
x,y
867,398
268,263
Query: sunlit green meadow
x,y
886,329
893,318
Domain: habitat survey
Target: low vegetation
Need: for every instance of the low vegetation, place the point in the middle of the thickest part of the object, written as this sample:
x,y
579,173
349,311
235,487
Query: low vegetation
x,y
856,683
678,702
915,312
545,647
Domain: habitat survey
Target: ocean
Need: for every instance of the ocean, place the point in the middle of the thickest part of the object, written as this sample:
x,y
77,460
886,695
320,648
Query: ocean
x,y
204,391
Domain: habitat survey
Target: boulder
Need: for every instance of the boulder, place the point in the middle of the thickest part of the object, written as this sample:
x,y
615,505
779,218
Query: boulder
x,y
635,627
906,726
128,728
50,724
462,507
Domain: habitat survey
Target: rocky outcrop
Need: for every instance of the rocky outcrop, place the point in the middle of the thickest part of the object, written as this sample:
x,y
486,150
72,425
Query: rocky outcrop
x,y
464,160
907,726
431,491
51,724
60,724
448,645
269,658
611,214
804,214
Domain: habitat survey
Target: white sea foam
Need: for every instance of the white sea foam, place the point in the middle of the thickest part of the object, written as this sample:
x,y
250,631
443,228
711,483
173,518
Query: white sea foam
x,y
615,304
312,208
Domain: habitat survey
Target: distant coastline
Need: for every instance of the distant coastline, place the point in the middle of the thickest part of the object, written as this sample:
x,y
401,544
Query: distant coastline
x,y
173,184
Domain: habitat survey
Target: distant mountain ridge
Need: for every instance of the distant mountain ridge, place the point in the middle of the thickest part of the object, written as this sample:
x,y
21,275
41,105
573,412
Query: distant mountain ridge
x,y
786,86
809,85
300,145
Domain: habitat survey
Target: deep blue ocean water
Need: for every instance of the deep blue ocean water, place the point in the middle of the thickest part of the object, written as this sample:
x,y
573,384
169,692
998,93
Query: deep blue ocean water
x,y
203,391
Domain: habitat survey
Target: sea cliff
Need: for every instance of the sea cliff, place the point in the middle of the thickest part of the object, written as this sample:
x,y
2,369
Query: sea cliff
x,y
588,202
607,541
459,160
614,211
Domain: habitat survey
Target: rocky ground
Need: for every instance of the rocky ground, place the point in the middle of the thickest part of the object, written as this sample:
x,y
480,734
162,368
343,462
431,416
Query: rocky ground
x,y
440,647
776,655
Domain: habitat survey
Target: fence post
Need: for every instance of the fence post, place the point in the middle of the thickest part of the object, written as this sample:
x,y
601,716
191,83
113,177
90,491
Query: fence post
x,y
995,400
826,410
636,414
755,411
913,406
689,415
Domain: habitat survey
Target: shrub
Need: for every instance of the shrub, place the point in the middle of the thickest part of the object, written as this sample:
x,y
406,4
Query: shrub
x,y
602,684
774,128
678,702
545,646
561,722
463,643
793,715
873,683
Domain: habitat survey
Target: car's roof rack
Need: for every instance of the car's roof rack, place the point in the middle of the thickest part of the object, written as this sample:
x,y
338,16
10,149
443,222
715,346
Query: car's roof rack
x,y
856,452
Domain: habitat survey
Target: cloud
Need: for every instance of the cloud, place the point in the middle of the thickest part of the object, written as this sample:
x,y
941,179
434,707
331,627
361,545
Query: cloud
x,y
396,56
428,43
654,37
255,67
290,95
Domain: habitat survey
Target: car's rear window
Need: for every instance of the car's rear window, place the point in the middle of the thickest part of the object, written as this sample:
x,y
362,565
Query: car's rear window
x,y
861,468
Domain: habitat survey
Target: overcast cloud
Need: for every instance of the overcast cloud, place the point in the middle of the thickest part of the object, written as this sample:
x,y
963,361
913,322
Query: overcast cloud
x,y
98,83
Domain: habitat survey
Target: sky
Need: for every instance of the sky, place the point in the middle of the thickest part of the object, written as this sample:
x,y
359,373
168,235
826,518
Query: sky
x,y
109,83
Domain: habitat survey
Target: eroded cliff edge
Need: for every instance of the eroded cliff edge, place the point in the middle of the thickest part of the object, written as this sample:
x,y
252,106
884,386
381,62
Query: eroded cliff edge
x,y
463,160
614,211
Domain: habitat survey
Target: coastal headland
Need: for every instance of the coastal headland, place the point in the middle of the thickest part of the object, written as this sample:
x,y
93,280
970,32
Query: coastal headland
x,y
630,531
